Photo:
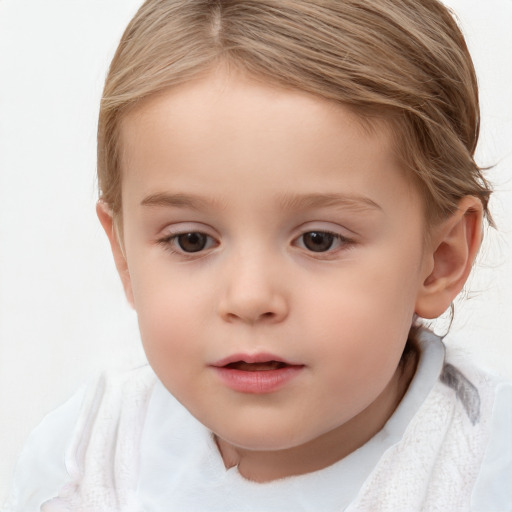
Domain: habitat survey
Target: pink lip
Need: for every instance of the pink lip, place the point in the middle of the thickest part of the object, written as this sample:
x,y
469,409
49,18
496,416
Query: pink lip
x,y
256,381
262,357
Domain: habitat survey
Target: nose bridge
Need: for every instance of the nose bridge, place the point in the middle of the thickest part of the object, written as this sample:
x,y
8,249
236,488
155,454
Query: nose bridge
x,y
253,289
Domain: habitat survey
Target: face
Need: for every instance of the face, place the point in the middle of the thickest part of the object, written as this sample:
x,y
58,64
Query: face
x,y
274,255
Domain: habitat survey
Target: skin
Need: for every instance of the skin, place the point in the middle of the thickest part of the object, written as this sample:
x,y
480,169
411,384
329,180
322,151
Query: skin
x,y
256,168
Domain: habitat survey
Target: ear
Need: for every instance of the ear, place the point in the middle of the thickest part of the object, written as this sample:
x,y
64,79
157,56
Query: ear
x,y
107,221
452,250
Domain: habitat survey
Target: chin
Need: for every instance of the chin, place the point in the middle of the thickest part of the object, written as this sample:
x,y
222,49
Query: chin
x,y
262,439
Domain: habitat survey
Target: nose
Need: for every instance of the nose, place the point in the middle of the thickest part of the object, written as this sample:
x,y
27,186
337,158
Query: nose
x,y
253,292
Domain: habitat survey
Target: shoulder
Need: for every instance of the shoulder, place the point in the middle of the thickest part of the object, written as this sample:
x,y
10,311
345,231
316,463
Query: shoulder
x,y
456,450
476,452
492,488
40,468
487,399
62,447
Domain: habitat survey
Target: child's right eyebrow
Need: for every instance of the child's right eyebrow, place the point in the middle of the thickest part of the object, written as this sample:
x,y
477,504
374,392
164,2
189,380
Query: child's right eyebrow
x,y
192,202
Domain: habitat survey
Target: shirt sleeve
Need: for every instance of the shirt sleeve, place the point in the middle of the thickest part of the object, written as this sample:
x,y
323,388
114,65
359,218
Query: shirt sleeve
x,y
41,470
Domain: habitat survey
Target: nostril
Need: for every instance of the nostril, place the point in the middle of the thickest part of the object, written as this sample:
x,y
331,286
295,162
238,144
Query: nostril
x,y
252,308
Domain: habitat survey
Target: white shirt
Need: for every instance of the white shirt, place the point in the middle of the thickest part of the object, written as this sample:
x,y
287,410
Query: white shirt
x,y
171,462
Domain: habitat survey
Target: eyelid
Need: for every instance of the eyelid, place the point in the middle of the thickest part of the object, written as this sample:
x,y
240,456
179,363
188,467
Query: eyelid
x,y
326,227
178,228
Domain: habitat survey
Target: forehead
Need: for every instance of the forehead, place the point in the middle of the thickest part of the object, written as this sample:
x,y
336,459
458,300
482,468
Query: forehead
x,y
225,96
225,131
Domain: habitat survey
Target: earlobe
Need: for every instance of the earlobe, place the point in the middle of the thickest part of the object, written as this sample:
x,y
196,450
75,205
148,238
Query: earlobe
x,y
453,249
107,221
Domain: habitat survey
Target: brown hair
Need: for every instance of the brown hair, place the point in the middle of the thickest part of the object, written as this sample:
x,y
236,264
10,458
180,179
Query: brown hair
x,y
404,61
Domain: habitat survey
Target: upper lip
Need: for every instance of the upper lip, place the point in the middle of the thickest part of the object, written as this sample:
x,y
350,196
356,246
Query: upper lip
x,y
262,357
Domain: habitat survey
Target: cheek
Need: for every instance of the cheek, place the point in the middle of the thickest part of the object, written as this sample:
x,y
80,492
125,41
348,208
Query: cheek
x,y
369,294
170,335
171,315
367,314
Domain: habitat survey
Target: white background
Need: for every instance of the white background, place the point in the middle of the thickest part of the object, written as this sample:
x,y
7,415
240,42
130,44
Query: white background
x,y
62,312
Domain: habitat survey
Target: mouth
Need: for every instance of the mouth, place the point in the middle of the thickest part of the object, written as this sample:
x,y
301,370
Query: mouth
x,y
262,362
264,366
256,374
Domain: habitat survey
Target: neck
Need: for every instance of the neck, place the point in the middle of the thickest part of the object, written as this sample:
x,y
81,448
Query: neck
x,y
265,466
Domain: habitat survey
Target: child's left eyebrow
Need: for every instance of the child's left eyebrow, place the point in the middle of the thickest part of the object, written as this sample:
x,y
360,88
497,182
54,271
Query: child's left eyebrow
x,y
312,201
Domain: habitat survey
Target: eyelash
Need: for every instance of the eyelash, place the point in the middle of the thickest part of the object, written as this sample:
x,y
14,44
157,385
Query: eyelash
x,y
342,242
171,243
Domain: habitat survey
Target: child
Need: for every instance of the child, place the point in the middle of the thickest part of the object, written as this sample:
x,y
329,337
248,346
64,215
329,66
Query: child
x,y
288,187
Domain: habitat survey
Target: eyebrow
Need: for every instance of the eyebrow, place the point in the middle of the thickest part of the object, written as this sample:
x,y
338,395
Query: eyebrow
x,y
311,201
288,202
177,201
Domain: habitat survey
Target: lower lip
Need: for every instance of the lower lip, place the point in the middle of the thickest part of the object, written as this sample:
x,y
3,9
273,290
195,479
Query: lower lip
x,y
258,382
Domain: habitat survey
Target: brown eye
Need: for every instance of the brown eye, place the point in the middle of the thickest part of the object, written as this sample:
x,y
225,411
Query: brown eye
x,y
192,242
318,241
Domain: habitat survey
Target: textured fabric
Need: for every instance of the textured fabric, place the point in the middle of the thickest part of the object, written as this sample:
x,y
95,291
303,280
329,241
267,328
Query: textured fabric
x,y
493,488
435,465
134,448
102,459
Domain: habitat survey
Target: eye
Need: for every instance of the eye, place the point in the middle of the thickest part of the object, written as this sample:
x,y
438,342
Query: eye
x,y
190,242
321,241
